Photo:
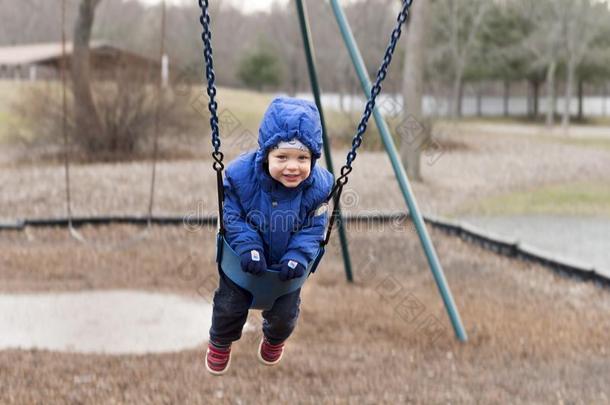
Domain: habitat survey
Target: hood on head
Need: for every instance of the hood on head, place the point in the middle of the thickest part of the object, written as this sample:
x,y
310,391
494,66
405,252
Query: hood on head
x,y
285,119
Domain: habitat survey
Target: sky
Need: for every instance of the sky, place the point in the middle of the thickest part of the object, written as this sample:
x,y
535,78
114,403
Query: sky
x,y
248,6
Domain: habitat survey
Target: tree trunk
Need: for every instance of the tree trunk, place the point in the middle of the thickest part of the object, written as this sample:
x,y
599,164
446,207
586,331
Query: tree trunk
x,y
456,97
88,124
294,80
344,90
460,99
479,101
414,137
536,98
550,93
341,99
565,122
605,100
529,104
506,97
580,99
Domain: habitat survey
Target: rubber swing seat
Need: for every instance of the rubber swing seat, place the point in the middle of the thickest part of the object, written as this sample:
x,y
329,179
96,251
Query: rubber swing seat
x,y
265,288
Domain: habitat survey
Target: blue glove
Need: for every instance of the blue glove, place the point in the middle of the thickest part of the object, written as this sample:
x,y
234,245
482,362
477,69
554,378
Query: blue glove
x,y
253,262
291,269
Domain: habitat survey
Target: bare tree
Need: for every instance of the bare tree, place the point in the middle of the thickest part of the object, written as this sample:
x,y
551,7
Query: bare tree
x,y
32,21
550,87
291,47
545,43
86,118
582,26
412,90
551,30
459,22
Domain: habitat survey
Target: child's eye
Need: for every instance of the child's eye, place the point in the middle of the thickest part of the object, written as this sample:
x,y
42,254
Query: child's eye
x,y
303,158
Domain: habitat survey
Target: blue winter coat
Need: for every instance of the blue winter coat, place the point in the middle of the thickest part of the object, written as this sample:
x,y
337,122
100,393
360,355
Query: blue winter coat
x,y
261,213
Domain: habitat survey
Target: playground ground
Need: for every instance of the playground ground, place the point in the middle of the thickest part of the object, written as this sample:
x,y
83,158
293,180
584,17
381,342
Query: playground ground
x,y
535,336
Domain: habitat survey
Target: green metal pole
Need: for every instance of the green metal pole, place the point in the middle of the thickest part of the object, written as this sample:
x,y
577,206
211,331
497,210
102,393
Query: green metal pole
x,y
401,176
313,78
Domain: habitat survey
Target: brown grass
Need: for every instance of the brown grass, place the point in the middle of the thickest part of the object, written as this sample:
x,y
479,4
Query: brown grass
x,y
534,336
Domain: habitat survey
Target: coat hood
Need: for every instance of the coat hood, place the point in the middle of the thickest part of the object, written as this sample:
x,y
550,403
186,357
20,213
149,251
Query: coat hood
x,y
285,119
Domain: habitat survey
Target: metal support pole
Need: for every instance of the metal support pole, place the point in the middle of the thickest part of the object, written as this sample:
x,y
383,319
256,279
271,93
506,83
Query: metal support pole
x,y
401,176
315,88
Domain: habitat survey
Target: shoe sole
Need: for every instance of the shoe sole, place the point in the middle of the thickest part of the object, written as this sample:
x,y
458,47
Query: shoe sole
x,y
213,372
263,361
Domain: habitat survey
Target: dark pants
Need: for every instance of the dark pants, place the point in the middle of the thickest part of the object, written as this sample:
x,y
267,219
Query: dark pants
x,y
231,305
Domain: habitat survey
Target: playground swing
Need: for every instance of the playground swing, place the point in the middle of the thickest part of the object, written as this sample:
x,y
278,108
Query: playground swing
x,y
266,288
143,233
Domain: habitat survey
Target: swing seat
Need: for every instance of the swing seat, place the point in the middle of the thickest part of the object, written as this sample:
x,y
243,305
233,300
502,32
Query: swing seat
x,y
265,288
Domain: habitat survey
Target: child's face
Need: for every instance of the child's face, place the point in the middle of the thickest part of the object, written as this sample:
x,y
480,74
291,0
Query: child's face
x,y
289,166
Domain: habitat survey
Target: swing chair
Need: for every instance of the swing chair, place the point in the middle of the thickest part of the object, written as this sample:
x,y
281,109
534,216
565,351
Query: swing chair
x,y
74,233
267,288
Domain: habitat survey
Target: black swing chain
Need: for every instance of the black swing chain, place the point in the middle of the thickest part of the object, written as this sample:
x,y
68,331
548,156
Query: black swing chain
x,y
335,194
218,166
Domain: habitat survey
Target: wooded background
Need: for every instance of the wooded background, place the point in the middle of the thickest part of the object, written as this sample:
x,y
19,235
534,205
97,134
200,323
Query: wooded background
x,y
492,47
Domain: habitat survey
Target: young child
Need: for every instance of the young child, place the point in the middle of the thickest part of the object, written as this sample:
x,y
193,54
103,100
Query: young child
x,y
274,217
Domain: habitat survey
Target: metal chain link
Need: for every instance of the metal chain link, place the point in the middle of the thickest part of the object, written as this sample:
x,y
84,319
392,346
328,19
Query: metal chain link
x,y
375,90
206,36
335,193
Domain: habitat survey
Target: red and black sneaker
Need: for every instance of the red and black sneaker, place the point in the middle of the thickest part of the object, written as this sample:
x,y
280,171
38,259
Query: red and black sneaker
x,y
270,354
217,359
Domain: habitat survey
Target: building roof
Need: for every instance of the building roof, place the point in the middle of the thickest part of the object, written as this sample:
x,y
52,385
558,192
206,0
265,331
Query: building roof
x,y
41,53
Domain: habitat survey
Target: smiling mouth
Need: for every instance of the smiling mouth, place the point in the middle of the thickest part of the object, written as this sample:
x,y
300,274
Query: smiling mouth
x,y
291,176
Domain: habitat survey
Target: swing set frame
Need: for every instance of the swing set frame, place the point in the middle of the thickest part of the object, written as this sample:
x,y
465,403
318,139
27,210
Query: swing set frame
x,y
371,92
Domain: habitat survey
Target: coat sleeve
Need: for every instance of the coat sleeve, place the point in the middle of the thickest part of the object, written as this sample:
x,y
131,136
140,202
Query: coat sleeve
x,y
304,244
240,234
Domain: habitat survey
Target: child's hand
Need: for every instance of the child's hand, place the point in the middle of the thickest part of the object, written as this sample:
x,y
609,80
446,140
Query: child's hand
x,y
253,262
291,269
